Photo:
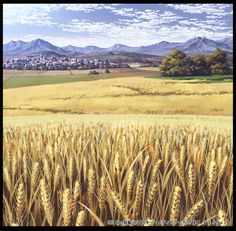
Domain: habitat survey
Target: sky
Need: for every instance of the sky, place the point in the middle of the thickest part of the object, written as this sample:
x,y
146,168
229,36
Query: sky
x,y
107,24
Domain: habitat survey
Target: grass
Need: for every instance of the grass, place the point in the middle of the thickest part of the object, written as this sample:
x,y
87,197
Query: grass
x,y
28,81
203,79
17,79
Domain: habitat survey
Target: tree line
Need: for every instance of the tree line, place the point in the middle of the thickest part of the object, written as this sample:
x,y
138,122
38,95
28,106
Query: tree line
x,y
177,63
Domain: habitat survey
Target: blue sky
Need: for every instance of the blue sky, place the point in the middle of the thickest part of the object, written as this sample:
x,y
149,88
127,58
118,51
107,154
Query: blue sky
x,y
107,24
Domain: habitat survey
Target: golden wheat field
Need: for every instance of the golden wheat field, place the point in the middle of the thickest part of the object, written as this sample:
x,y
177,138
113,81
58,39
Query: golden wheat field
x,y
76,174
127,95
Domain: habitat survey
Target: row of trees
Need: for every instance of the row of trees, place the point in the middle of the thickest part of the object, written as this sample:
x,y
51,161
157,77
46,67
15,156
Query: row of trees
x,y
177,63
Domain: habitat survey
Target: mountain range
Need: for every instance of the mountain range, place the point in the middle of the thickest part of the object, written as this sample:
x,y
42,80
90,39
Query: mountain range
x,y
191,46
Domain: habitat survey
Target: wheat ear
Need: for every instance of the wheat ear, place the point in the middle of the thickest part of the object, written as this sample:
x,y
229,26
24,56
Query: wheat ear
x,y
45,198
211,178
175,205
222,218
80,221
193,212
155,170
138,198
34,175
20,203
25,166
152,195
130,183
102,192
76,193
66,207
47,171
91,184
120,205
57,176
71,170
192,182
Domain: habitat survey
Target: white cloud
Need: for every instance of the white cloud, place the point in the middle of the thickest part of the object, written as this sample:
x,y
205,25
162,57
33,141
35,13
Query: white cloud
x,y
36,14
127,12
210,9
133,33
88,7
211,25
133,27
82,7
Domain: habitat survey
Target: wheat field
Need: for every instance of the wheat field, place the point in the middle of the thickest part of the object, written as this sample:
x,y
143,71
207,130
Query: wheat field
x,y
68,174
127,95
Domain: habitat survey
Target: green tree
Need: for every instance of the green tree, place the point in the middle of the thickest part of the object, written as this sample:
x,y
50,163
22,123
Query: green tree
x,y
175,64
218,62
200,65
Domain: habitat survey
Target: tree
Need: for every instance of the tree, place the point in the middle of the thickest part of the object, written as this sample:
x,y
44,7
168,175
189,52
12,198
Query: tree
x,y
218,62
175,64
200,65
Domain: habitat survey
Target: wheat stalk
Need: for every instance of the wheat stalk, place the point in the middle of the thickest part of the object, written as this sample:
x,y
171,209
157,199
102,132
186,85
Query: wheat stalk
x,y
6,178
71,170
85,169
14,167
34,176
20,203
151,195
222,166
138,198
175,205
47,171
155,170
192,182
102,192
130,183
91,184
211,178
193,212
120,205
76,193
57,176
46,202
145,163
25,166
66,207
117,162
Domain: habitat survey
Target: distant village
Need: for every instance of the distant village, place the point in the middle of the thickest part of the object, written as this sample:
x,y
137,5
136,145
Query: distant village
x,y
54,63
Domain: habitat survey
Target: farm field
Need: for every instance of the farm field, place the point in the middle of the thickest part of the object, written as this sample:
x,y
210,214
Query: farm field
x,y
15,79
201,79
25,73
210,122
118,115
70,173
127,95
130,148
